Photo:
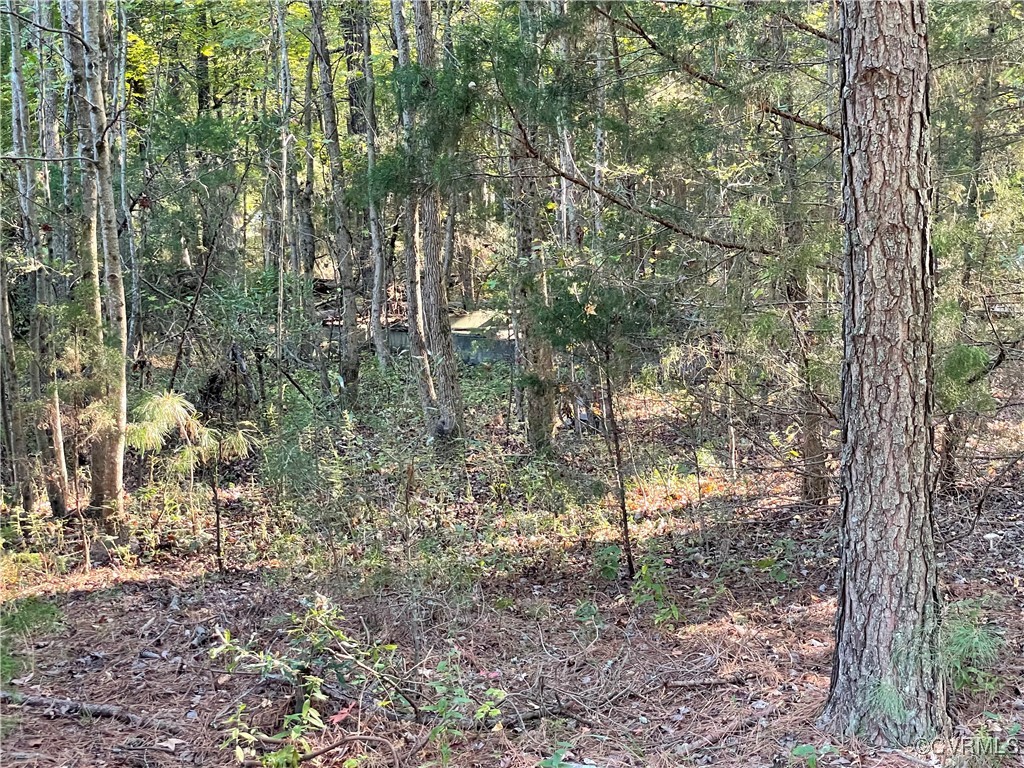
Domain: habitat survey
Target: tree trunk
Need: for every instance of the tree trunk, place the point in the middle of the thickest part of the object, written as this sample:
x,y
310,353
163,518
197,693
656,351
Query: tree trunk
x,y
434,308
955,434
107,494
26,228
348,274
53,253
530,286
377,298
121,111
887,681
417,346
814,477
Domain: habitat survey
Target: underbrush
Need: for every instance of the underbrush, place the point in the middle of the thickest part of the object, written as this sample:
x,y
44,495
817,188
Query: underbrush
x,y
19,621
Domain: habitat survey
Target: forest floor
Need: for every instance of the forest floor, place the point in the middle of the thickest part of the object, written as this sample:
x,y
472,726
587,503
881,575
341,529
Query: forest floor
x,y
522,651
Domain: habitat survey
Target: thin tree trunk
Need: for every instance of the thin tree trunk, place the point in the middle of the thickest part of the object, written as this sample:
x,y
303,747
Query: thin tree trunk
x,y
14,427
530,285
88,289
417,346
377,298
954,436
26,228
284,80
305,230
887,679
121,110
107,495
49,438
348,273
620,475
434,308
814,478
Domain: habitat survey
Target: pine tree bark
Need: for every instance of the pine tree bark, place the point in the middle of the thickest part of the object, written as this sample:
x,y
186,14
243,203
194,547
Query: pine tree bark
x,y
887,682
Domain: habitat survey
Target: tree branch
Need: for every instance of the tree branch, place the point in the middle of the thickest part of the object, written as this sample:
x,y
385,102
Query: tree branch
x,y
691,69
803,26
44,28
622,202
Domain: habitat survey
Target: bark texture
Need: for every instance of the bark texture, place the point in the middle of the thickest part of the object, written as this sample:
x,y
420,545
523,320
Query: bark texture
x,y
887,684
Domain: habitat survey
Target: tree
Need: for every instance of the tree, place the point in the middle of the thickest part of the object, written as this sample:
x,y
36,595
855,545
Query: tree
x,y
347,277
88,42
434,283
887,682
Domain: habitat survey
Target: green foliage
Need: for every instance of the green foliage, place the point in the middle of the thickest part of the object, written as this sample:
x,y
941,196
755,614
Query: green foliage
x,y
961,378
779,564
607,561
970,646
557,759
888,702
995,743
319,649
809,754
590,316
650,588
22,619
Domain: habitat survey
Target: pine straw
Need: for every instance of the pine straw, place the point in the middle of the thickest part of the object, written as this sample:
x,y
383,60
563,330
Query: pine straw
x,y
751,677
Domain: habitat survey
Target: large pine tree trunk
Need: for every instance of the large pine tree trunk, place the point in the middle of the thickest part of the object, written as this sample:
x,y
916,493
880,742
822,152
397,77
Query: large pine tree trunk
x,y
887,683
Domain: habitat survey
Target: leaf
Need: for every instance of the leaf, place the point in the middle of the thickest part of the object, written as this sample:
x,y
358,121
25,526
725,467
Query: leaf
x,y
341,715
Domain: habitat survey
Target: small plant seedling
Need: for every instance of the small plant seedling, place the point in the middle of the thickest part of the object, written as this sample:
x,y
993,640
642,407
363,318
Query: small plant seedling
x,y
556,760
607,561
809,754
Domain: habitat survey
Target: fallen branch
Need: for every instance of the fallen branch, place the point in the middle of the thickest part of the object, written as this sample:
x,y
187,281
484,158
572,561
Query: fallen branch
x,y
352,740
330,747
706,682
732,728
69,708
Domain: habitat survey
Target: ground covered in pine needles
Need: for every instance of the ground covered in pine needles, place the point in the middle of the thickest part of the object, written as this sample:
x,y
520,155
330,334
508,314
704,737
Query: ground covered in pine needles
x,y
443,633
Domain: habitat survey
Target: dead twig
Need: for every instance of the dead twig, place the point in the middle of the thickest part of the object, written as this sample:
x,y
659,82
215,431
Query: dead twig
x,y
69,708
740,724
706,682
331,747
980,504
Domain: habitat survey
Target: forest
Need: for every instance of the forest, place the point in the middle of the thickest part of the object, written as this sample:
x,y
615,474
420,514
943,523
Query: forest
x,y
512,383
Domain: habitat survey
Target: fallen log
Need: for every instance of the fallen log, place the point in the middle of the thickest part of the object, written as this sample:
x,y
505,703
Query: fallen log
x,y
69,708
